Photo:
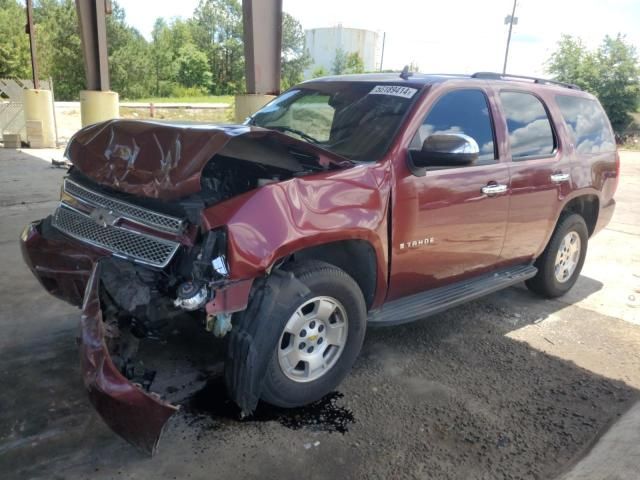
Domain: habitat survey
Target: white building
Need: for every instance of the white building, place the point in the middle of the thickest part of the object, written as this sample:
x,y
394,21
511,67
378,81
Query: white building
x,y
322,44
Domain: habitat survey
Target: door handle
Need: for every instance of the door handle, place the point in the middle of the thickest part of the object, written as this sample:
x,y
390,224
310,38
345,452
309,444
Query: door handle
x,y
492,190
560,177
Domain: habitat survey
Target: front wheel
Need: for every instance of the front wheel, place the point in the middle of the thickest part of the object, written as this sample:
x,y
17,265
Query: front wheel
x,y
320,340
560,264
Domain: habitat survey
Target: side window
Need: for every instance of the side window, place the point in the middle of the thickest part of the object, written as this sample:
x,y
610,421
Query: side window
x,y
587,124
530,132
461,111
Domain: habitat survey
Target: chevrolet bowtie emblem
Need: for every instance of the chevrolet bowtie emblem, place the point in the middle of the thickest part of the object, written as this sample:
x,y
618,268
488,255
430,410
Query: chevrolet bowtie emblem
x,y
104,217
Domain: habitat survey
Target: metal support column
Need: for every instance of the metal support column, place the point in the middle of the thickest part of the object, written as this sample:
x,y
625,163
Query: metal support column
x,y
93,35
97,102
262,21
32,44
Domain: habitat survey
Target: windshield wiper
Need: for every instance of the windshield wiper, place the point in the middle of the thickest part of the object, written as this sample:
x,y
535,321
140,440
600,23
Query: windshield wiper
x,y
284,128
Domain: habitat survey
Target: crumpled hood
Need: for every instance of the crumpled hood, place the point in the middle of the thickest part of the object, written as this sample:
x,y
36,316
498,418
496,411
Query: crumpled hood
x,y
164,160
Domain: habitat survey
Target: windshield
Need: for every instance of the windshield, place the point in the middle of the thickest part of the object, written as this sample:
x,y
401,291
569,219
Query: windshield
x,y
355,120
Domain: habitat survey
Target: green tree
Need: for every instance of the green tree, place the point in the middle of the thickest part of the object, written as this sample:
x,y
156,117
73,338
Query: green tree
x,y
339,62
162,58
14,43
168,38
319,71
59,49
295,57
217,31
611,73
572,62
345,62
619,85
130,59
193,68
354,63
137,67
60,52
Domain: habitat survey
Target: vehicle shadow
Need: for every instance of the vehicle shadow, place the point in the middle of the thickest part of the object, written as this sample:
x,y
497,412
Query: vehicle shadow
x,y
531,305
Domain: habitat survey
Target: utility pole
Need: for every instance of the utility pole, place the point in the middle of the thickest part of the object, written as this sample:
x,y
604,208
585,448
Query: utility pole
x,y
32,43
384,37
511,20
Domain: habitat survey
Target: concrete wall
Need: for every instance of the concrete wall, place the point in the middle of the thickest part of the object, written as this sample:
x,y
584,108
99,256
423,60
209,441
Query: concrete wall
x,y
322,44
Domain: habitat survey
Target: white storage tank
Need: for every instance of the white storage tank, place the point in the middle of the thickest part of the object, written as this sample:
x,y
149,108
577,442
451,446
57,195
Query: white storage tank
x,y
322,44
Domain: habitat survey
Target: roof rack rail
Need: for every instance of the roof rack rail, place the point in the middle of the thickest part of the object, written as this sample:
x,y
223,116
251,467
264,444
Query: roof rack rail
x,y
508,76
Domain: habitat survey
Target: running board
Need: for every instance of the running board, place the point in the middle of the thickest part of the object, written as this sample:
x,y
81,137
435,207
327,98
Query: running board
x,y
421,305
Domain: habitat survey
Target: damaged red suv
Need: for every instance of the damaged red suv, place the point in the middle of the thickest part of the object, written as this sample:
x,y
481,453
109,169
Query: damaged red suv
x,y
345,202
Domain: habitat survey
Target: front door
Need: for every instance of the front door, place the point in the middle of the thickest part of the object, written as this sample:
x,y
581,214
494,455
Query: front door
x,y
450,223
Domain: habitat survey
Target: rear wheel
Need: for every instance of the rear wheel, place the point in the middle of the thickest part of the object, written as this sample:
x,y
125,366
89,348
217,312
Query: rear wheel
x,y
320,340
560,264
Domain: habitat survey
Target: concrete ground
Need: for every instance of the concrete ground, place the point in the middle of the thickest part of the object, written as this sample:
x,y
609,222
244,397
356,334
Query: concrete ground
x,y
510,386
616,455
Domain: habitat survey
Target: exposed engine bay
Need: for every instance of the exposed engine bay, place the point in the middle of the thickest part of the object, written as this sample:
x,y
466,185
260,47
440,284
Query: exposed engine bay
x,y
248,163
225,177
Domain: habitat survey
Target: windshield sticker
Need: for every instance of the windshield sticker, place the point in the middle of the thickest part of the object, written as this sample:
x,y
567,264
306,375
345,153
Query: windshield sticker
x,y
394,90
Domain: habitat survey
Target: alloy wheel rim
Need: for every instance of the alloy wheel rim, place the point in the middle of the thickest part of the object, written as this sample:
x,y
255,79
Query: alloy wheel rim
x,y
313,339
567,257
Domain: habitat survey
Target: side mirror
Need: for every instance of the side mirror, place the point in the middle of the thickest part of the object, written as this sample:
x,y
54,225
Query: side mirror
x,y
446,150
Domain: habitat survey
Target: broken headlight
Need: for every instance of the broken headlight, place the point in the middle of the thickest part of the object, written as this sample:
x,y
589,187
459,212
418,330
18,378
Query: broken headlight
x,y
211,262
220,265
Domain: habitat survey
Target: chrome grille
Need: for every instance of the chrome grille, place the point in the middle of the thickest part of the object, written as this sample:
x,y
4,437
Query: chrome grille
x,y
122,242
119,208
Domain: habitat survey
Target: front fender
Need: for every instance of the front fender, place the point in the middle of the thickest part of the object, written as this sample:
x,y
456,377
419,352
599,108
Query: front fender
x,y
276,220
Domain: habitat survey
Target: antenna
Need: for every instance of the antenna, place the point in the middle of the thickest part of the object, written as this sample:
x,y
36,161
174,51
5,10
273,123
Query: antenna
x,y
405,74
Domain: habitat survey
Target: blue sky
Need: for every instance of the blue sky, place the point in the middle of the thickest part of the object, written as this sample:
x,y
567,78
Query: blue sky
x,y
457,36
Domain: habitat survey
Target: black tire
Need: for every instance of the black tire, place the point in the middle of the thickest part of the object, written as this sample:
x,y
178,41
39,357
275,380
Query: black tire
x,y
322,279
545,282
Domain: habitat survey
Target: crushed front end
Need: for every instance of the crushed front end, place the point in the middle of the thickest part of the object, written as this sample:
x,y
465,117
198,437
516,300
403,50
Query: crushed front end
x,y
132,243
143,235
130,269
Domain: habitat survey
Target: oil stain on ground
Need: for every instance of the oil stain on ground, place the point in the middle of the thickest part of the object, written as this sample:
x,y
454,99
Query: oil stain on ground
x,y
212,402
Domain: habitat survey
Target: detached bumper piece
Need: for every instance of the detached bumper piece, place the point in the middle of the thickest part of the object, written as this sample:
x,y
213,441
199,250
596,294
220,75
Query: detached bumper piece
x,y
71,271
135,415
63,267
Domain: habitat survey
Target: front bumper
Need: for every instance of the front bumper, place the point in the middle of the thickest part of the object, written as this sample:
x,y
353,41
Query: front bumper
x,y
61,265
70,270
132,413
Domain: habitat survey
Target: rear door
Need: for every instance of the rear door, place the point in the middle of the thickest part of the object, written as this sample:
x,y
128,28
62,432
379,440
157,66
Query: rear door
x,y
446,227
540,173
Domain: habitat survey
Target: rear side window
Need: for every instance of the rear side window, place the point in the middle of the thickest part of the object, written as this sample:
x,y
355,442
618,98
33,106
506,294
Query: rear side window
x,y
587,123
461,111
530,132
